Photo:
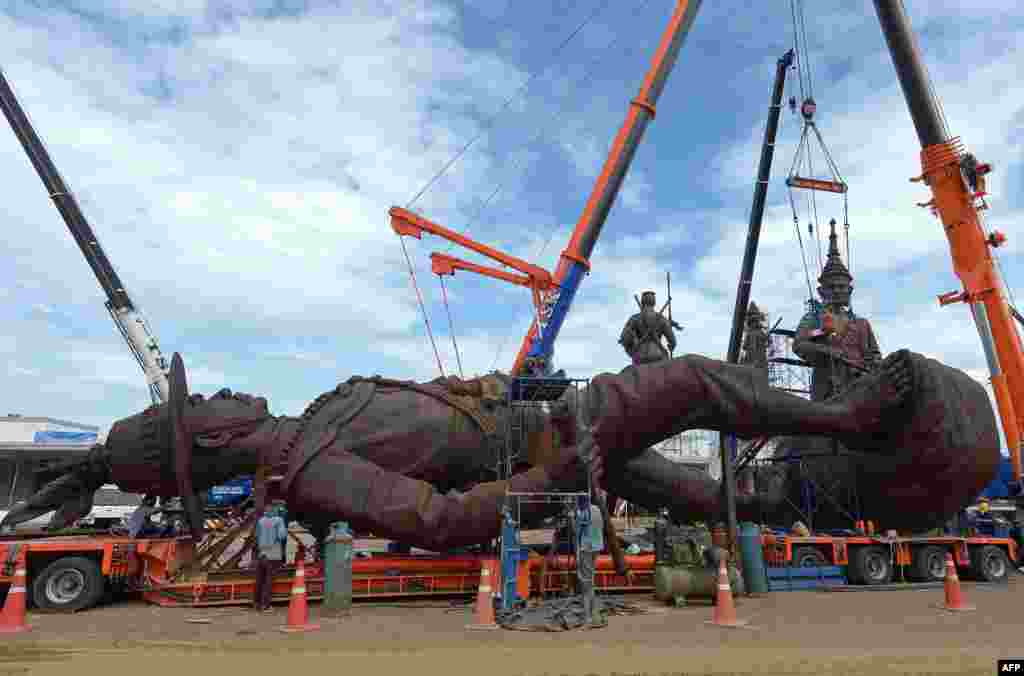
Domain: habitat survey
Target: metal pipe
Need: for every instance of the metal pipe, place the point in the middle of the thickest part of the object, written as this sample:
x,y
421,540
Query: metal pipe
x,y
1004,401
14,482
911,72
988,343
747,272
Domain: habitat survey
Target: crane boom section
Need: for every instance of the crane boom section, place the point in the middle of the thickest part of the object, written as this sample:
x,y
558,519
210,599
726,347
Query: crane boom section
x,y
130,322
538,345
407,224
442,264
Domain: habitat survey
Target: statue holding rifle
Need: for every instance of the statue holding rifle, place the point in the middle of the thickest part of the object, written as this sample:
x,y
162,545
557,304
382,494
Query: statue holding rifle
x,y
642,335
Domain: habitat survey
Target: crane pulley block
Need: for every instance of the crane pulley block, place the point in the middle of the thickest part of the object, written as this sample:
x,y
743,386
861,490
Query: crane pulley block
x,y
816,184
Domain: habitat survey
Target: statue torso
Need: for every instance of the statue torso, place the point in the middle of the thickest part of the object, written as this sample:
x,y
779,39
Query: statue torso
x,y
854,339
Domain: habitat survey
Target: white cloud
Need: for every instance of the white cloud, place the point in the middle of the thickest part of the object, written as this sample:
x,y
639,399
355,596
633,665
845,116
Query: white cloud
x,y
245,206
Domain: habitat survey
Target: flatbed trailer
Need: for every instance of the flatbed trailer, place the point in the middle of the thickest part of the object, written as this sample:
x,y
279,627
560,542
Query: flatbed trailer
x,y
875,559
69,573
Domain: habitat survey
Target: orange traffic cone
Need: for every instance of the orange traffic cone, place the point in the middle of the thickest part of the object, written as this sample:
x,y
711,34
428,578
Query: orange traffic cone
x,y
12,617
485,597
952,585
298,610
724,613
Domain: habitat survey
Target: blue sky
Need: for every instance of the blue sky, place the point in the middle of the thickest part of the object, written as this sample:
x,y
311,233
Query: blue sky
x,y
237,160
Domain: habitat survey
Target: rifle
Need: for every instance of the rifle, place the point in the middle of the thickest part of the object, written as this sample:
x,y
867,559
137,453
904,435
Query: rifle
x,y
661,311
668,283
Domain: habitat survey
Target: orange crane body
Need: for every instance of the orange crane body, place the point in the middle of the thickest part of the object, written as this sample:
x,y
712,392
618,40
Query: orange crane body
x,y
957,190
955,205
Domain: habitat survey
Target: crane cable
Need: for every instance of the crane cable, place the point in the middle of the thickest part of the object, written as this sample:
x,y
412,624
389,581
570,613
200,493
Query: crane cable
x,y
520,90
803,68
462,151
604,52
451,326
423,308
806,86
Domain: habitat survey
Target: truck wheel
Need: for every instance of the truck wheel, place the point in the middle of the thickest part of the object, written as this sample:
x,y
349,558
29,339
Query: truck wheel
x,y
929,564
808,557
68,584
870,565
989,564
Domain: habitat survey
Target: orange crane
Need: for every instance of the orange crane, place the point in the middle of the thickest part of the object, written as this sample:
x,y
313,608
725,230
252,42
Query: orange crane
x,y
553,293
957,183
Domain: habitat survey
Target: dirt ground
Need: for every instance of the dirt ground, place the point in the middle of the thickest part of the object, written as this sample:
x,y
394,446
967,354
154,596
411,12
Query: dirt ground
x,y
808,632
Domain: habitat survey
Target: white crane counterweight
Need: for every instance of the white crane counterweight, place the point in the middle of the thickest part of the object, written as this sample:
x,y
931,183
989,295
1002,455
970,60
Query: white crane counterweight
x,y
130,322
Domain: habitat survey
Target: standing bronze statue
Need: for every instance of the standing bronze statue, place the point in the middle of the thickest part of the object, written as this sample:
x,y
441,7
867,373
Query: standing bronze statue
x,y
641,336
755,339
415,462
839,345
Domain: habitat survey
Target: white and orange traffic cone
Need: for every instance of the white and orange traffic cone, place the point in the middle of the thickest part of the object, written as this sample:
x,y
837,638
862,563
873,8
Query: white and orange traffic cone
x,y
485,597
12,617
954,601
298,608
724,613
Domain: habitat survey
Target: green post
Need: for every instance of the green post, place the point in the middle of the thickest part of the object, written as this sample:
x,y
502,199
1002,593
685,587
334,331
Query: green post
x,y
337,571
752,558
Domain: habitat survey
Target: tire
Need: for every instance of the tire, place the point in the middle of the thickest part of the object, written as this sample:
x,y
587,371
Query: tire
x,y
808,557
870,566
68,584
989,564
929,564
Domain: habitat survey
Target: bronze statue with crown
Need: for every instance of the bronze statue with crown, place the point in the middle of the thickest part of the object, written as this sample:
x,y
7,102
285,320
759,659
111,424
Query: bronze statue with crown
x,y
839,345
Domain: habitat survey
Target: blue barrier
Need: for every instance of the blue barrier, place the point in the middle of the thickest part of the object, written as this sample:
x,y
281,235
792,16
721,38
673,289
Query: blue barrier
x,y
790,578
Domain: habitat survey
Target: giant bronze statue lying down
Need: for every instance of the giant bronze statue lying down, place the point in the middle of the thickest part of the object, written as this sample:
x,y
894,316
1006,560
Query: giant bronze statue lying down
x,y
417,462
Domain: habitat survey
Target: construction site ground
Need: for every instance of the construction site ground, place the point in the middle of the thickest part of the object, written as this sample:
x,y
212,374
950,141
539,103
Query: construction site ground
x,y
803,632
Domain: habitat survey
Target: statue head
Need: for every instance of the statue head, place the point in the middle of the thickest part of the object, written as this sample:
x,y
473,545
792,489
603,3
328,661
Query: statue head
x,y
177,448
755,318
648,299
836,282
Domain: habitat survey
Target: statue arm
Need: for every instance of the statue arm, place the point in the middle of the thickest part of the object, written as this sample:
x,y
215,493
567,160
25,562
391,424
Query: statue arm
x,y
628,336
805,348
670,335
872,353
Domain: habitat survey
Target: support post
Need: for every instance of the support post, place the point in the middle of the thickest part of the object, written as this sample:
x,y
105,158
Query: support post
x,y
746,277
337,557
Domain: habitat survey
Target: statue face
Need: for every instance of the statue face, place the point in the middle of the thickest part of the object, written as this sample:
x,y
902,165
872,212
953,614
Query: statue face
x,y
837,292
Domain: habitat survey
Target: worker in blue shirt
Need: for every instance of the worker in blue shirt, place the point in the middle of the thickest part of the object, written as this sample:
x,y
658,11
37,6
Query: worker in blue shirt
x,y
271,536
590,545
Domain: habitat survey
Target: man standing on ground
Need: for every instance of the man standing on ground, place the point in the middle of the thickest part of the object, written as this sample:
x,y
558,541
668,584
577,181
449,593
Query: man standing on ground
x,y
271,535
591,544
138,522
